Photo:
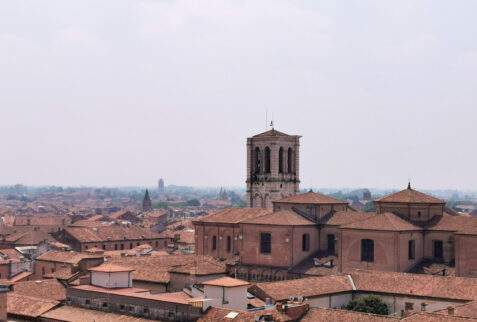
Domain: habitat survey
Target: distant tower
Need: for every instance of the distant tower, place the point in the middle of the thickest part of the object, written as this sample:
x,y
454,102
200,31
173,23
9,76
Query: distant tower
x,y
366,195
272,168
160,188
146,202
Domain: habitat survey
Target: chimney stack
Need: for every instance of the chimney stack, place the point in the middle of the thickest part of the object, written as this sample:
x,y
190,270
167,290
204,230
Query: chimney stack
x,y
4,289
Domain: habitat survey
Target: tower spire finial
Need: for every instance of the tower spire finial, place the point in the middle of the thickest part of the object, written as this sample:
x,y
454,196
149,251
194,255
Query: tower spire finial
x,y
409,184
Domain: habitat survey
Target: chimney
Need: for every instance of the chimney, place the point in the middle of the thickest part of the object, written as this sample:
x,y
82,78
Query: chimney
x,y
423,306
4,289
450,310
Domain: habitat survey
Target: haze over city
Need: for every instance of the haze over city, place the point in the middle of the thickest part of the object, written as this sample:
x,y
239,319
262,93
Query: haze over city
x,y
120,93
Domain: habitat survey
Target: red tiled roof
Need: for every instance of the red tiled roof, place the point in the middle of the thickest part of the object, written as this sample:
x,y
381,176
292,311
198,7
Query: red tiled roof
x,y
31,237
234,215
329,315
433,317
115,232
410,196
346,217
70,257
452,223
201,267
310,198
305,287
458,288
46,289
213,314
386,221
32,307
110,268
226,282
270,133
78,314
20,276
468,310
280,218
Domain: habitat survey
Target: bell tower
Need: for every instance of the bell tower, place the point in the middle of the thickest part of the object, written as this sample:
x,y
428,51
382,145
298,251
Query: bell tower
x,y
272,168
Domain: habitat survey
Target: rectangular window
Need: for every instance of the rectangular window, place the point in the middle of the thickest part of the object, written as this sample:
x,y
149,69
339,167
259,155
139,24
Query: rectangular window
x,y
438,249
229,244
214,243
331,243
265,243
305,242
412,249
367,250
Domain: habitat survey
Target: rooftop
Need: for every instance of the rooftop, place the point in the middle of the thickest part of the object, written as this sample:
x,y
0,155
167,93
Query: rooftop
x,y
77,314
387,222
110,268
328,315
270,133
226,282
410,195
280,218
310,198
114,232
49,289
70,257
32,307
234,215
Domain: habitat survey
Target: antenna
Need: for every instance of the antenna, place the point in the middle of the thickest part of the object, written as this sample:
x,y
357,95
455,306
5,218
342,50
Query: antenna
x,y
266,120
271,123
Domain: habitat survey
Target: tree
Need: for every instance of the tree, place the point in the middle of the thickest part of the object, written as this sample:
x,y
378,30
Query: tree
x,y
369,207
368,304
193,203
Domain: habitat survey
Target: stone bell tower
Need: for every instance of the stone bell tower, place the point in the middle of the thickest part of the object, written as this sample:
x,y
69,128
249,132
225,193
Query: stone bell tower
x,y
272,168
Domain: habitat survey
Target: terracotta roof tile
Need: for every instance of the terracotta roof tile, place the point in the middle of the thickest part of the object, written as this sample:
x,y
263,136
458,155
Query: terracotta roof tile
x,y
110,268
213,314
432,317
328,315
226,282
386,221
202,267
28,306
31,237
280,218
452,223
20,276
49,289
346,217
305,287
114,232
459,288
310,198
270,133
77,314
410,196
468,310
234,215
70,257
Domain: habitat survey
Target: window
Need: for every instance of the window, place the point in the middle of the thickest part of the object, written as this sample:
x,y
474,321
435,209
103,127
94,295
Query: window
x,y
52,269
290,160
331,243
419,214
157,243
146,310
122,246
412,249
87,302
115,246
258,161
367,250
121,307
229,244
104,247
86,247
42,271
165,243
130,245
105,304
438,249
280,160
267,160
305,242
265,243
214,243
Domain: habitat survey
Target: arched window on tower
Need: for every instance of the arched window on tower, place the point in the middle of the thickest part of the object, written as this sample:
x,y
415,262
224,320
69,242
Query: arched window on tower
x,y
267,160
280,160
257,161
290,161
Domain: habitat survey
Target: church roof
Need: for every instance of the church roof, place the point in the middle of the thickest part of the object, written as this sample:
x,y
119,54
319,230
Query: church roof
x,y
310,198
340,218
234,215
270,133
387,221
280,218
409,195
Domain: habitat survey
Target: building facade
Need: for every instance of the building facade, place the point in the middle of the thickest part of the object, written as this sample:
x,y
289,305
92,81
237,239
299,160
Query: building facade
x,y
272,168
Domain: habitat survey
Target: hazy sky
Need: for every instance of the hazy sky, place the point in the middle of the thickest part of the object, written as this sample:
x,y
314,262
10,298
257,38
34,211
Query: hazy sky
x,y
124,92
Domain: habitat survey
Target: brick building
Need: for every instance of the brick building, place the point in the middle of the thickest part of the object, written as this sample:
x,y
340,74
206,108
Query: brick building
x,y
68,263
112,237
272,168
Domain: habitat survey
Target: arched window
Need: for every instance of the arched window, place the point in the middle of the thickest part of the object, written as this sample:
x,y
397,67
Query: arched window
x,y
281,160
257,161
214,243
290,161
130,246
229,244
305,242
367,250
267,160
